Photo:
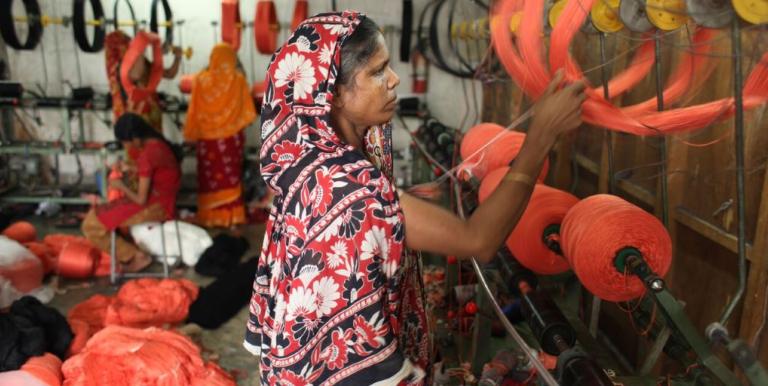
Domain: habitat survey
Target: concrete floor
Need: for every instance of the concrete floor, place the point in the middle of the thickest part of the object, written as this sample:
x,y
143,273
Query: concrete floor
x,y
223,345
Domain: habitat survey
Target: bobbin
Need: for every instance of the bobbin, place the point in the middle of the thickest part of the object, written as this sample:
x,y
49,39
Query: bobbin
x,y
710,13
666,15
633,16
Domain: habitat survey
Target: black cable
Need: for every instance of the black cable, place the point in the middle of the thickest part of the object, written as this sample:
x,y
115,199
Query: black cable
x,y
153,25
34,21
434,43
80,27
407,31
333,5
115,19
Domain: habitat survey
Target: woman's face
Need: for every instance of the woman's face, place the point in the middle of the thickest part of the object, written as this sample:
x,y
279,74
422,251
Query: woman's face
x,y
369,98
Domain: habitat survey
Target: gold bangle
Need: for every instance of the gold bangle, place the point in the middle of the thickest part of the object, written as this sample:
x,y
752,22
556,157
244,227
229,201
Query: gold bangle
x,y
520,177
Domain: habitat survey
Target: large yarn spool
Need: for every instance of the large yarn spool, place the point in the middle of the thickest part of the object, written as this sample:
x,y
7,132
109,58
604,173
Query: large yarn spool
x,y
503,147
599,228
78,260
21,231
542,217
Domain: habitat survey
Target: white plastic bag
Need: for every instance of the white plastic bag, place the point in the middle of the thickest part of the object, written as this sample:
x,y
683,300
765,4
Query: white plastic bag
x,y
194,240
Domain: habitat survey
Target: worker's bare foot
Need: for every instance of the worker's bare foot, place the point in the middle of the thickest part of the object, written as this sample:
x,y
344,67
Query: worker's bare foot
x,y
138,263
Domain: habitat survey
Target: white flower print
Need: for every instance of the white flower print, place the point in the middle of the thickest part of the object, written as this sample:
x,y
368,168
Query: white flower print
x,y
325,54
336,29
296,68
375,243
302,302
338,254
327,292
331,230
280,307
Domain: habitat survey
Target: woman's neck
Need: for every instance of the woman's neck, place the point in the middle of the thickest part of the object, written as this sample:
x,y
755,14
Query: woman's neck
x,y
347,131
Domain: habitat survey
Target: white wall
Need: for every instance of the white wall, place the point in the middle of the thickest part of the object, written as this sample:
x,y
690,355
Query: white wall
x,y
445,96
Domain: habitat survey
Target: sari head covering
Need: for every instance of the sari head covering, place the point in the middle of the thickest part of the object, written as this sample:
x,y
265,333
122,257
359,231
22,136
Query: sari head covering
x,y
221,103
336,298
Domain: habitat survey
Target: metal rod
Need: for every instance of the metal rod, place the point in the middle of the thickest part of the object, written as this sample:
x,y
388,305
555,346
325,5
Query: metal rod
x,y
607,96
739,140
251,49
546,377
663,141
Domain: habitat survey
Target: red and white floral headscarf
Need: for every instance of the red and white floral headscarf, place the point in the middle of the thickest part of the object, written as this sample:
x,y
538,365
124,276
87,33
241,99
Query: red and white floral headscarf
x,y
336,297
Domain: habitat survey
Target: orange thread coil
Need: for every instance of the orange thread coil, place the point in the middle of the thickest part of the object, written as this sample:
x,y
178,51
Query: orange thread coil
x,y
265,27
489,146
231,23
136,52
523,60
21,231
77,260
300,11
599,227
546,207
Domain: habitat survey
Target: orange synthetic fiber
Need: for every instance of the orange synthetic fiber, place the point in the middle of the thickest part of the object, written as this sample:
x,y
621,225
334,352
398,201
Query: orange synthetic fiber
x,y
300,11
265,27
77,260
46,368
118,356
57,242
600,226
43,252
26,274
488,146
546,207
528,71
22,232
139,303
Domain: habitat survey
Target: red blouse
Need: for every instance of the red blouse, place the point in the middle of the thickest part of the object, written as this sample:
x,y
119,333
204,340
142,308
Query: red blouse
x,y
157,162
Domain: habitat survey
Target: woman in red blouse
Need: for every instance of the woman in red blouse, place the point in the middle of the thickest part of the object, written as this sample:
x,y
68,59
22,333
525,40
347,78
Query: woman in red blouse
x,y
155,200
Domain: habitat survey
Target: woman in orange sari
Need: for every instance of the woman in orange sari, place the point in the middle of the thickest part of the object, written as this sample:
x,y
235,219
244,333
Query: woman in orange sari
x,y
219,110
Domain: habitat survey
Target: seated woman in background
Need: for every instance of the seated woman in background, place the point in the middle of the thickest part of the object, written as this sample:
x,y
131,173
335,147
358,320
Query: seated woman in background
x,y
155,200
220,109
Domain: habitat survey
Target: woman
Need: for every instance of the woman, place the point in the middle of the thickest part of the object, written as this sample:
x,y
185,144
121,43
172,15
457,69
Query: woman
x,y
219,110
116,45
159,179
337,295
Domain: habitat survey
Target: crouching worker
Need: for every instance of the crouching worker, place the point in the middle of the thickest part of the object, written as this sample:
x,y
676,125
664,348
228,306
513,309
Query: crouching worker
x,y
159,174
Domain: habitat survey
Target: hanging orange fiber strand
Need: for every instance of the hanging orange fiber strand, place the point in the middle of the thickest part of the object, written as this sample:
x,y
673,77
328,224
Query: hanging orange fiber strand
x,y
524,62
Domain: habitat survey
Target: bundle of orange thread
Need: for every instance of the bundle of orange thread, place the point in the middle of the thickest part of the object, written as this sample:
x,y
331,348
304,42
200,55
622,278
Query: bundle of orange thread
x,y
132,357
599,228
542,217
488,146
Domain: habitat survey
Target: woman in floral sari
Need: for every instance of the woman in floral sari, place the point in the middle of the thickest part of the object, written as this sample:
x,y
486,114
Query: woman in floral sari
x,y
220,109
338,297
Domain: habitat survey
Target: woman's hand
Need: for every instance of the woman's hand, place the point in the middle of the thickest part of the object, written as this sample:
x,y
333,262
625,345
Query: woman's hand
x,y
558,111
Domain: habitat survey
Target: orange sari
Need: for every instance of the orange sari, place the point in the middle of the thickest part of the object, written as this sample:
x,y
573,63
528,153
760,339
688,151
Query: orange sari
x,y
219,110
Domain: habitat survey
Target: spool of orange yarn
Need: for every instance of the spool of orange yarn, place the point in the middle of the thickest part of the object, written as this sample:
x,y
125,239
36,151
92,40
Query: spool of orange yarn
x,y
115,174
488,146
231,25
265,27
21,231
299,13
77,260
539,223
43,252
186,83
598,232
